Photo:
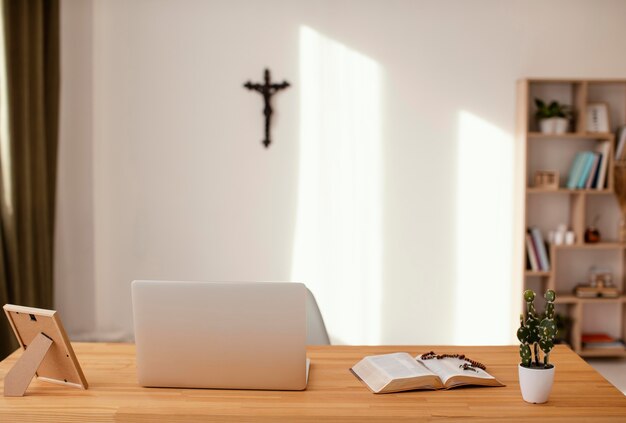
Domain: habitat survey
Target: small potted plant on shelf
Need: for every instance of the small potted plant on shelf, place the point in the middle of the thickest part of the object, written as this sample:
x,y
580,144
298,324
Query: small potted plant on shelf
x,y
535,375
553,117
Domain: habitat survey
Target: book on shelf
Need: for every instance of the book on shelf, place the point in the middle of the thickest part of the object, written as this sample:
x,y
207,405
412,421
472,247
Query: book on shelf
x,y
398,372
596,337
532,253
589,168
593,171
614,344
620,136
586,169
600,340
575,170
539,245
596,175
604,149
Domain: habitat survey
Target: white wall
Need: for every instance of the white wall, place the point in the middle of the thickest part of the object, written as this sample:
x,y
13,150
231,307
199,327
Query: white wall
x,y
162,174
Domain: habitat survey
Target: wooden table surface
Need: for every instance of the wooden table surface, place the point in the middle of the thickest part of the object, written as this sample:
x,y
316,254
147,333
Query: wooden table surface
x,y
333,394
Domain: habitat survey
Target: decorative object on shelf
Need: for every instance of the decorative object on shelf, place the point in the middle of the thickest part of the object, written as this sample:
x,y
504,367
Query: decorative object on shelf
x,y
536,376
558,237
553,117
598,117
547,179
562,236
267,90
570,238
600,285
600,276
592,235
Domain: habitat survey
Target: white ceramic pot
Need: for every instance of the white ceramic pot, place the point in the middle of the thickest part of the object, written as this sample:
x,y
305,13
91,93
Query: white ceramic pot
x,y
560,125
554,125
535,384
546,126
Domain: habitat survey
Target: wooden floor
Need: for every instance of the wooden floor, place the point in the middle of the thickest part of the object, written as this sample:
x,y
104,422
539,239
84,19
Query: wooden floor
x,y
612,369
333,394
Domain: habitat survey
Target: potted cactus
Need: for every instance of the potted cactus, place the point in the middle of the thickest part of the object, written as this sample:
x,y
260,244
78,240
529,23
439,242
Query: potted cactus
x,y
553,117
536,375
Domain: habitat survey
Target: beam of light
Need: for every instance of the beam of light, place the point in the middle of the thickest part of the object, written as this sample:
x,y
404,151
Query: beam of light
x,y
5,145
484,312
338,242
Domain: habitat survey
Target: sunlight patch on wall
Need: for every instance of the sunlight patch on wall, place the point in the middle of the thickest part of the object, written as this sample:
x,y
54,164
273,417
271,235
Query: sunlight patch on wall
x,y
337,246
485,230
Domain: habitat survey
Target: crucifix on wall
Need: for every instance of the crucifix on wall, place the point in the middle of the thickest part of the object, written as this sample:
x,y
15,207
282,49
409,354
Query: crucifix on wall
x,y
267,90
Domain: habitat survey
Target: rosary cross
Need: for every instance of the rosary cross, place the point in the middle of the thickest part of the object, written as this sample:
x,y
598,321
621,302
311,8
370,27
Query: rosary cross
x,y
267,90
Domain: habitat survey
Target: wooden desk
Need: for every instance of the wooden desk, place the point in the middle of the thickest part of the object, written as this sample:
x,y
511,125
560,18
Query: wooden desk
x,y
334,394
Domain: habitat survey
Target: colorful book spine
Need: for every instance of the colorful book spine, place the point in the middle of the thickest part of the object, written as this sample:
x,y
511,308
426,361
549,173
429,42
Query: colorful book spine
x,y
592,173
575,169
604,150
540,247
532,254
586,168
596,177
621,142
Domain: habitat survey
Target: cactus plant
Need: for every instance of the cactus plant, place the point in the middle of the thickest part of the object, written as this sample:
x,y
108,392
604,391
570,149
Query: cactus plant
x,y
535,334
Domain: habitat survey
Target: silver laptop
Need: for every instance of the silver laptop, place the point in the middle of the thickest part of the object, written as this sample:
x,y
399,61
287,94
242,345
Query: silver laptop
x,y
231,335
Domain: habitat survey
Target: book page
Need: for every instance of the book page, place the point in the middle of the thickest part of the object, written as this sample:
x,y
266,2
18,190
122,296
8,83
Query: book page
x,y
394,372
448,368
399,365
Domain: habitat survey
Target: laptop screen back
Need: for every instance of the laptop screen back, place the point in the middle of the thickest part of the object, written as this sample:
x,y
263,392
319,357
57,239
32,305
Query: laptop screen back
x,y
232,335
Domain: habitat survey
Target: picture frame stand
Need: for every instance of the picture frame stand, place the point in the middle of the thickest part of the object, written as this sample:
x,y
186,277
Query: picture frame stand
x,y
21,374
47,353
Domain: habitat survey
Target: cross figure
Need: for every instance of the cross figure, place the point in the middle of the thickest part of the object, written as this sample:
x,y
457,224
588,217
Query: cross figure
x,y
267,90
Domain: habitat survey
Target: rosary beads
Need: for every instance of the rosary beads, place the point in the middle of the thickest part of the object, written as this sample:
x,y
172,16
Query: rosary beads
x,y
469,365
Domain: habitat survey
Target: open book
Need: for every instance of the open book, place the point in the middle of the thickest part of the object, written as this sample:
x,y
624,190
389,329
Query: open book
x,y
401,372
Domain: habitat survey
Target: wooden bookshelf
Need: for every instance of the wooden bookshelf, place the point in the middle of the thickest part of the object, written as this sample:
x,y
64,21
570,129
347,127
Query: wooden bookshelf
x,y
577,208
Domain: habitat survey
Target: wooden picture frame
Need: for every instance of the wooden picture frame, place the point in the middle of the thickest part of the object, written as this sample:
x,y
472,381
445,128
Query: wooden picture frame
x,y
547,179
47,353
598,120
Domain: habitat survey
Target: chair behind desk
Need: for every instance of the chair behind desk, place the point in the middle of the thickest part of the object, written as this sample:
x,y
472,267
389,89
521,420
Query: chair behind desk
x,y
316,329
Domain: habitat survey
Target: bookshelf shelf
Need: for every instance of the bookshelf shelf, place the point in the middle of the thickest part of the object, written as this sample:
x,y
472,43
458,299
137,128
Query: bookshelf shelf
x,y
534,273
534,190
601,136
602,352
572,299
546,209
598,246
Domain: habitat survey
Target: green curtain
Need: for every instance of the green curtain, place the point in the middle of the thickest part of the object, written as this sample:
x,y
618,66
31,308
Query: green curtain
x,y
28,155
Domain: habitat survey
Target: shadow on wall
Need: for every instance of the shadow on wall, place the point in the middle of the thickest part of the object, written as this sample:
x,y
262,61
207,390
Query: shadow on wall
x,y
338,242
